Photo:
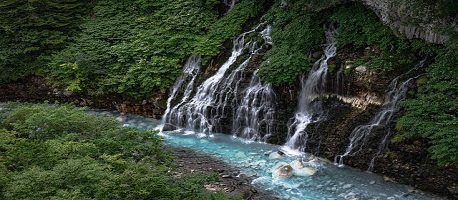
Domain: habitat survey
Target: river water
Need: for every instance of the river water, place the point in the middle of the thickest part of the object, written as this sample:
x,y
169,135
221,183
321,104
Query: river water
x,y
257,160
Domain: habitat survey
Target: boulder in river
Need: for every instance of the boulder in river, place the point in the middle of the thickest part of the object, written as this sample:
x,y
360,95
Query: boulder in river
x,y
275,155
300,169
282,170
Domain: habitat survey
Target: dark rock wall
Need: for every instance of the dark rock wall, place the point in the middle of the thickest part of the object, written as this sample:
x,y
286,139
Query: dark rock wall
x,y
36,89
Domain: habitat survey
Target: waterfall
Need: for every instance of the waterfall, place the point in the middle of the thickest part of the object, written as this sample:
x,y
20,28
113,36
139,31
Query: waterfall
x,y
204,111
230,3
254,117
312,86
361,134
190,69
340,82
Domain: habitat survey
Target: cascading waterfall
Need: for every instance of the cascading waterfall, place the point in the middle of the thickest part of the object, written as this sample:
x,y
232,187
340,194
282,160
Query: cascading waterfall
x,y
208,106
254,117
190,69
312,86
330,182
361,134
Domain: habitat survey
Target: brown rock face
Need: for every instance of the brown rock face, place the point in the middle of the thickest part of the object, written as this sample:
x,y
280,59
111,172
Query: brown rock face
x,y
36,89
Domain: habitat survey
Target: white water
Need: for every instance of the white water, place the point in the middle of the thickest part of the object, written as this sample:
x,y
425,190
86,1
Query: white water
x,y
190,71
254,117
361,134
209,105
252,159
312,86
230,3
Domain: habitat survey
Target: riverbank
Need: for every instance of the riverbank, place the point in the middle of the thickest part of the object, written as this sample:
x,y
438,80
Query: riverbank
x,y
231,181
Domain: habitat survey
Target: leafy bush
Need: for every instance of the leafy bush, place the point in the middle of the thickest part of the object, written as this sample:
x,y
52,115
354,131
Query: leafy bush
x,y
295,33
42,121
360,27
434,113
80,156
30,31
137,48
228,27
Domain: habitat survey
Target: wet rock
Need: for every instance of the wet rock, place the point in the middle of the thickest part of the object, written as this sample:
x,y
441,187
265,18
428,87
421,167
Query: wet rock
x,y
121,118
317,54
453,189
400,18
297,163
305,171
388,179
226,176
283,170
275,155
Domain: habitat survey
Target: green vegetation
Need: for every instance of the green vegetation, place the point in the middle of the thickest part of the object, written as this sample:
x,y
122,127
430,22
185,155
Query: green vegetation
x,y
295,33
59,152
137,48
298,30
360,28
106,47
132,48
30,31
433,114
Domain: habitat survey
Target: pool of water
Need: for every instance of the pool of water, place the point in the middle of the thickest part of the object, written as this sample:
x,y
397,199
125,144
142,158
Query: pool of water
x,y
258,161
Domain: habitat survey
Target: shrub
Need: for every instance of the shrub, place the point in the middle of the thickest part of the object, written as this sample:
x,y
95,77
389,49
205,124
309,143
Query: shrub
x,y
81,159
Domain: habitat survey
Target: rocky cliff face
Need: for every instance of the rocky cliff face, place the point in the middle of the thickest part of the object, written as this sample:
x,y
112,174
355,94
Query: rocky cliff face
x,y
408,20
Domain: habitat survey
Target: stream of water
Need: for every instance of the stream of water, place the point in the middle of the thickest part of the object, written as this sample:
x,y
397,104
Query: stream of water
x,y
212,102
256,159
312,85
360,136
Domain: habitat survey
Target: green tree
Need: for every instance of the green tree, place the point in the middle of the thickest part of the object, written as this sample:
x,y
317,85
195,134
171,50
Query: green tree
x,y
31,30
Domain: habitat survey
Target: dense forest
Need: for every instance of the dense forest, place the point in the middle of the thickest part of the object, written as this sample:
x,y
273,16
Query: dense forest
x,y
136,48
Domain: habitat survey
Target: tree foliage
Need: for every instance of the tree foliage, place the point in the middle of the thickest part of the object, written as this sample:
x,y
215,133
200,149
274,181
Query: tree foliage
x,y
295,33
59,152
31,30
137,48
